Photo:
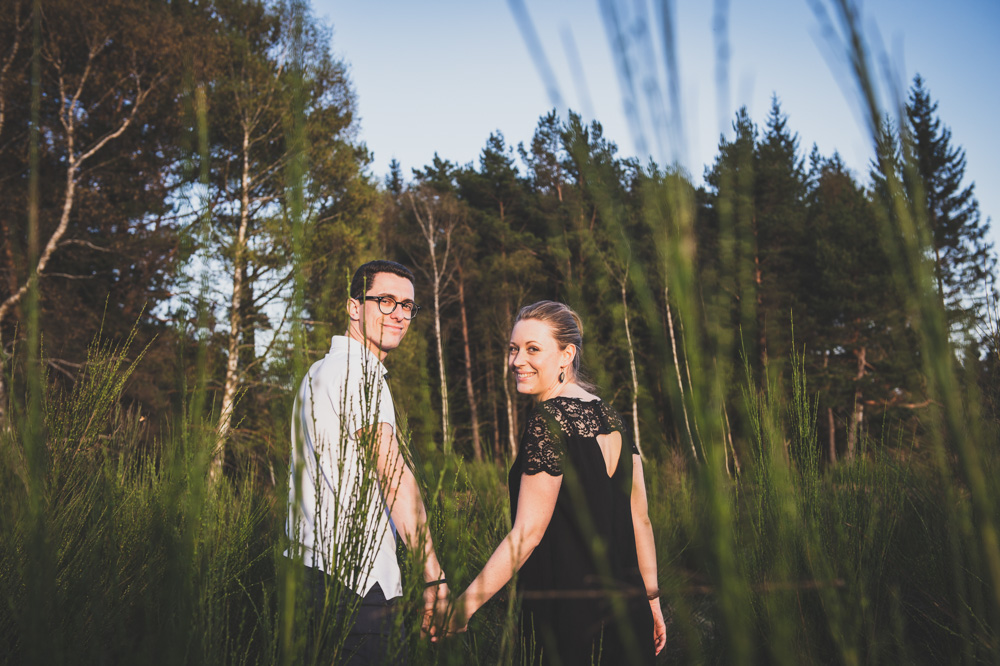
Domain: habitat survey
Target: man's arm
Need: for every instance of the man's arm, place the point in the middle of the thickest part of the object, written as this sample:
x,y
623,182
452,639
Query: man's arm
x,y
406,507
402,496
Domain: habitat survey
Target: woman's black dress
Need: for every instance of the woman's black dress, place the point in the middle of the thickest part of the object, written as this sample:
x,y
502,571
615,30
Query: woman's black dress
x,y
582,597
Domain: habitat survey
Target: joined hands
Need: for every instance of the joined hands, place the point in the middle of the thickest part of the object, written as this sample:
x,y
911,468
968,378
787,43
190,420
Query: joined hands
x,y
447,616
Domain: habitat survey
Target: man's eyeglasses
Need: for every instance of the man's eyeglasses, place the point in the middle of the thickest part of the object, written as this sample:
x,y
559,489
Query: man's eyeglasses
x,y
387,305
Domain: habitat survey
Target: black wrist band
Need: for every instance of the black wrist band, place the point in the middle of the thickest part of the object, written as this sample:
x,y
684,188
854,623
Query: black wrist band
x,y
432,583
653,595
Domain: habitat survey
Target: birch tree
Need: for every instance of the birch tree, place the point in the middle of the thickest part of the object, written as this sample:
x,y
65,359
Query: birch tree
x,y
470,393
248,109
618,268
101,66
273,72
437,215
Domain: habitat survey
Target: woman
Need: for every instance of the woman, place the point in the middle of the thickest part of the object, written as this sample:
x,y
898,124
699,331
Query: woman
x,y
581,536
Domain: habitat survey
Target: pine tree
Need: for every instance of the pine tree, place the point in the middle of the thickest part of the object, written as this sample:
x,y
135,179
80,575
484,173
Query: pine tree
x,y
779,214
856,325
963,258
727,246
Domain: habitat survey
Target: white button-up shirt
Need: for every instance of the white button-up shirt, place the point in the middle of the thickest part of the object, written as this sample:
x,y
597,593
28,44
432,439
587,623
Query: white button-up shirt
x,y
337,511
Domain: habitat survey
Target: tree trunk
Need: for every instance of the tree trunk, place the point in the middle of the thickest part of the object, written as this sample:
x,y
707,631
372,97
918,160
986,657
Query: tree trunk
x,y
491,392
434,230
677,370
232,380
687,373
635,375
832,439
938,273
761,315
511,416
729,438
477,446
442,375
857,415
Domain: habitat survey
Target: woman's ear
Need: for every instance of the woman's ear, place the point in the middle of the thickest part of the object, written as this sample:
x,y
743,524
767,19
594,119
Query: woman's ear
x,y
568,354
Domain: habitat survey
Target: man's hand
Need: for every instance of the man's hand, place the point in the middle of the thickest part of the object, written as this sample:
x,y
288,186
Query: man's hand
x,y
436,603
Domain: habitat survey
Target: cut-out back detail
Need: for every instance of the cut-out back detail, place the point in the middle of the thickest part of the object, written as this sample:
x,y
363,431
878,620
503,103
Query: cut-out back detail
x,y
611,449
557,419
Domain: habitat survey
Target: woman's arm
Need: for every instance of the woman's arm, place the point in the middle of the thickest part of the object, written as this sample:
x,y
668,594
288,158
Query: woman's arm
x,y
646,551
535,503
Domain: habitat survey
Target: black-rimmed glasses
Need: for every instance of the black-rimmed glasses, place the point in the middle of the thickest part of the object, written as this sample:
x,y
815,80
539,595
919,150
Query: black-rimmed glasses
x,y
387,305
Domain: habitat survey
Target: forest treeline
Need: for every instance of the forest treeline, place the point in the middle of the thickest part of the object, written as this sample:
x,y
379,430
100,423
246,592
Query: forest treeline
x,y
194,171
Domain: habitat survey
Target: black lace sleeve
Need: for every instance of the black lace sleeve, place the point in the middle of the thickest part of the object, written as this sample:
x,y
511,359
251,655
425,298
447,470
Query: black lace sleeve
x,y
540,444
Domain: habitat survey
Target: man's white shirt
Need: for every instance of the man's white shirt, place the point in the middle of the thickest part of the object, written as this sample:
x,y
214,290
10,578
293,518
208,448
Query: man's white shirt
x,y
343,522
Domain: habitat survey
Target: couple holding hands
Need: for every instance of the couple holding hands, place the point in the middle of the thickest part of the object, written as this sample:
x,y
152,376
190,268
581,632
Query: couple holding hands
x,y
581,543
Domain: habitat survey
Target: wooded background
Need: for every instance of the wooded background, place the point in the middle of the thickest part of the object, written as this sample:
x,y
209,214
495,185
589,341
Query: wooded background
x,y
194,170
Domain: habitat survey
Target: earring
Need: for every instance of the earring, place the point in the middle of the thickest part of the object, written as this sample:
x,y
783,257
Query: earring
x,y
562,376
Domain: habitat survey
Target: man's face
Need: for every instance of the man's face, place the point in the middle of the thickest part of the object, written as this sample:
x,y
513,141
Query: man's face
x,y
382,332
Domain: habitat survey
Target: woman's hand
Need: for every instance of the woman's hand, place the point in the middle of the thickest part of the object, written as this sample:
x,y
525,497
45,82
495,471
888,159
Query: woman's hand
x,y
450,619
458,619
659,626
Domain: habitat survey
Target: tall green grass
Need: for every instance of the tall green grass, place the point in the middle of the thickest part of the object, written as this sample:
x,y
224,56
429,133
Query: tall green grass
x,y
130,557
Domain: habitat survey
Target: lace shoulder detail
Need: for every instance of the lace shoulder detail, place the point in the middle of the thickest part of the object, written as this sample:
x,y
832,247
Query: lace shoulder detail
x,y
614,422
541,444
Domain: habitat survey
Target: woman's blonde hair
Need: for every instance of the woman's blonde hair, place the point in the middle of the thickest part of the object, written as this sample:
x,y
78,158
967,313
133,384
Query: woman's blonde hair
x,y
566,327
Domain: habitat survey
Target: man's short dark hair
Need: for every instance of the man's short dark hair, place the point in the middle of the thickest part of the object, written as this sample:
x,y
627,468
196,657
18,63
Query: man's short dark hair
x,y
365,275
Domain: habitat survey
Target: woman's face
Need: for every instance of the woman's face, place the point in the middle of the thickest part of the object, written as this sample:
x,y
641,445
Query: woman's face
x,y
536,359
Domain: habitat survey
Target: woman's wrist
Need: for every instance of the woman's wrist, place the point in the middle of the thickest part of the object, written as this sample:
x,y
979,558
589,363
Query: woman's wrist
x,y
468,603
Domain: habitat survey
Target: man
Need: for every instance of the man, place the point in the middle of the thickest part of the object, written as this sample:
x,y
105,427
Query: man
x,y
350,491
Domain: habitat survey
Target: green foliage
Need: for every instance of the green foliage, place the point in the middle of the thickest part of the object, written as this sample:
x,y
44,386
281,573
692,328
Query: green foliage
x,y
132,557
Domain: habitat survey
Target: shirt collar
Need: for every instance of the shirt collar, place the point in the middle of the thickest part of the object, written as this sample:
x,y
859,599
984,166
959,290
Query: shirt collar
x,y
353,347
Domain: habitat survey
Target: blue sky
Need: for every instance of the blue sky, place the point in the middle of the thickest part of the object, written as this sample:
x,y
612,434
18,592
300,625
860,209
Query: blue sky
x,y
440,75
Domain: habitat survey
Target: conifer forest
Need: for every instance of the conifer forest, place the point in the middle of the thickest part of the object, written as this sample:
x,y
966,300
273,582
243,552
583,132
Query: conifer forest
x,y
807,357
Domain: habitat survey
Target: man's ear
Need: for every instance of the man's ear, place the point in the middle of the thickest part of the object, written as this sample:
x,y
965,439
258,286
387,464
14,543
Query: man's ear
x,y
353,309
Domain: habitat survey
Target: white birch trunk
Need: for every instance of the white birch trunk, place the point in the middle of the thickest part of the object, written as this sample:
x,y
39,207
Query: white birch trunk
x,y
434,231
232,380
477,446
511,416
677,370
445,425
635,375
